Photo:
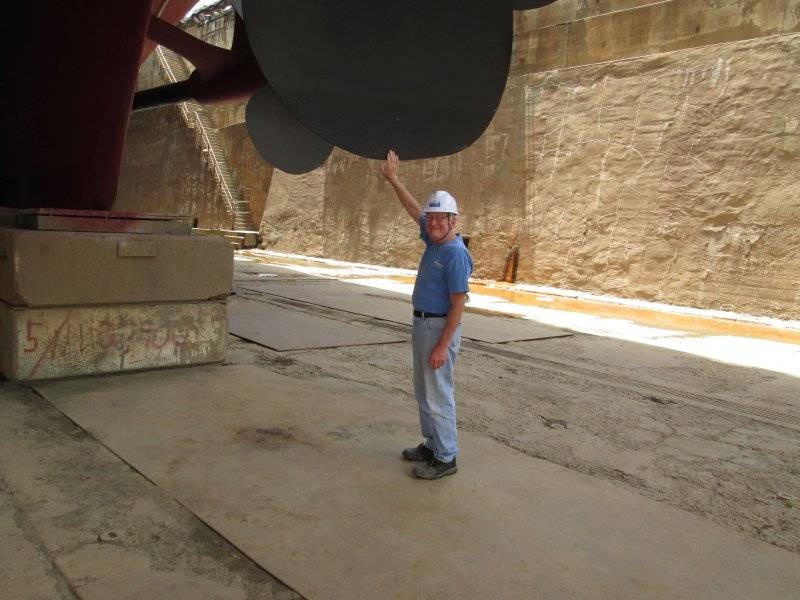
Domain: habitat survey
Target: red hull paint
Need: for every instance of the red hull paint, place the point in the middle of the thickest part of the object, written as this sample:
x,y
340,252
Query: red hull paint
x,y
68,97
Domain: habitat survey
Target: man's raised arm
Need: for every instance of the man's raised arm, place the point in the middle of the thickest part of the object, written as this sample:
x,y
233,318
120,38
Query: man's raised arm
x,y
389,170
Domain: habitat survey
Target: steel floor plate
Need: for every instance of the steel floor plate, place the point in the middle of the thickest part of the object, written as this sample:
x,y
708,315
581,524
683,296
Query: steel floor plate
x,y
282,328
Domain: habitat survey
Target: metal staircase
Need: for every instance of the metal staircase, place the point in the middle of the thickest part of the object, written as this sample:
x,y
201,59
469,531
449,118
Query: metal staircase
x,y
197,119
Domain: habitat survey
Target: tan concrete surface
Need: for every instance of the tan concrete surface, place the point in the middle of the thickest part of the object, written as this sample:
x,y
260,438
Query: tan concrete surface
x,y
306,478
252,173
57,268
24,568
665,178
573,33
77,522
184,184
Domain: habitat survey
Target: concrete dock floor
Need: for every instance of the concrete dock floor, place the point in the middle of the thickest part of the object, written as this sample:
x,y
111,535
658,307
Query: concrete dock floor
x,y
591,467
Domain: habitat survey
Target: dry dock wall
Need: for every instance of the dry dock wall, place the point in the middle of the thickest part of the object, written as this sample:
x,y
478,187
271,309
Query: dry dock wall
x,y
642,149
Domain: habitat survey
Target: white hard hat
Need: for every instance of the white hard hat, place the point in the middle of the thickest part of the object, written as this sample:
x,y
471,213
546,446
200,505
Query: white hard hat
x,y
441,202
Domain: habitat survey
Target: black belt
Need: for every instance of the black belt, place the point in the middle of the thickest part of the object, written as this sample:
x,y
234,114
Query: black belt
x,y
425,315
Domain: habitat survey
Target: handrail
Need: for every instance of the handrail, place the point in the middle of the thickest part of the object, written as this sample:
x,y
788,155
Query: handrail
x,y
192,116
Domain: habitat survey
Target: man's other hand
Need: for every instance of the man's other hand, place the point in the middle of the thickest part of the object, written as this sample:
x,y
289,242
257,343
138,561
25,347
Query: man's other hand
x,y
438,357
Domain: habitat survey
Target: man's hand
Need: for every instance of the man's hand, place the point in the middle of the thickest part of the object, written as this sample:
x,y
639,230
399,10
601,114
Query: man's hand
x,y
439,353
389,168
438,357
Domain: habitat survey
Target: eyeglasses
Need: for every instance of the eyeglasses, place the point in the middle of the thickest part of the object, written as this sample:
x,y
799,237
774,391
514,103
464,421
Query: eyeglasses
x,y
440,219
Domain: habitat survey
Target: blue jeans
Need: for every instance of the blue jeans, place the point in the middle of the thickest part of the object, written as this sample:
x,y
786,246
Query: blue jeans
x,y
434,389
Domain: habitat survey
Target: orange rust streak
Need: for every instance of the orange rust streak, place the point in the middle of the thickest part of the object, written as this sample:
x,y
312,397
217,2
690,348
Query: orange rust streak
x,y
642,316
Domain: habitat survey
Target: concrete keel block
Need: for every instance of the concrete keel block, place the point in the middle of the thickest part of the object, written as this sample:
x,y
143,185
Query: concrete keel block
x,y
64,268
43,343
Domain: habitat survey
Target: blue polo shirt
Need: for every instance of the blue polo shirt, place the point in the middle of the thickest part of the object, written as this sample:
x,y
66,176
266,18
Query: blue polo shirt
x,y
443,270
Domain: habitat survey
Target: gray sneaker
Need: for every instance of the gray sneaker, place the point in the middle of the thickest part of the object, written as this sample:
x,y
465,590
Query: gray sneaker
x,y
436,469
421,453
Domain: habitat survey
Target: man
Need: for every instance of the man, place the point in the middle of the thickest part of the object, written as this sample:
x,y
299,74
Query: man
x,y
439,295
